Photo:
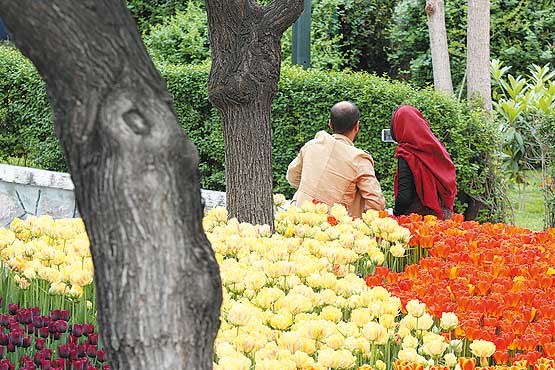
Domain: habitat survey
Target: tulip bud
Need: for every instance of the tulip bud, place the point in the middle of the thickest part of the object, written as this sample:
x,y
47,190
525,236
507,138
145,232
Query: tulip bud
x,y
12,308
101,355
91,350
25,342
39,343
63,351
92,338
77,330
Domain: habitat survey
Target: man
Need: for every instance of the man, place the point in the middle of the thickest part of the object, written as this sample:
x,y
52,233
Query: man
x,y
331,170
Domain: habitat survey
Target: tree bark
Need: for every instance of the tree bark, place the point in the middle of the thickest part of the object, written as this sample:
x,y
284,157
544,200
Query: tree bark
x,y
136,181
246,61
435,10
478,54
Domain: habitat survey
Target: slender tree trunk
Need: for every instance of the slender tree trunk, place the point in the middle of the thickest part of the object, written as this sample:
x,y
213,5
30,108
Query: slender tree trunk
x,y
435,9
136,181
477,53
246,60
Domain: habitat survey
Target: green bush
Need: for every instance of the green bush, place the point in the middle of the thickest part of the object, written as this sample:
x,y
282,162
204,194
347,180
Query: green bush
x,y
182,38
521,34
25,114
300,109
148,13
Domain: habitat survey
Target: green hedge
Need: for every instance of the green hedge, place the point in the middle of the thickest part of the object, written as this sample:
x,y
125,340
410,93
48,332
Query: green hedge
x,y
300,109
25,115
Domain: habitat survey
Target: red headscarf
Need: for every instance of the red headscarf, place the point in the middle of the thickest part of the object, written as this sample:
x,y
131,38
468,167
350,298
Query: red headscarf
x,y
430,164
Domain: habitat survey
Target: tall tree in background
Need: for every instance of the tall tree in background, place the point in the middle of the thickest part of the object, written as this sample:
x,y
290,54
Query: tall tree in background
x,y
136,181
246,60
477,53
435,10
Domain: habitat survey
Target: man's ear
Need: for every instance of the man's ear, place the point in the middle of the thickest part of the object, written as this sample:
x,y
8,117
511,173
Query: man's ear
x,y
330,125
357,126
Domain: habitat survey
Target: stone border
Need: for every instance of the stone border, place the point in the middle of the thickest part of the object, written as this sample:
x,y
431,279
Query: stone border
x,y
35,177
28,191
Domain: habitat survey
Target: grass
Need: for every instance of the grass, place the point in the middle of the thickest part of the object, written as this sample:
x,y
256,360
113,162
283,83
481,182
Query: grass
x,y
528,204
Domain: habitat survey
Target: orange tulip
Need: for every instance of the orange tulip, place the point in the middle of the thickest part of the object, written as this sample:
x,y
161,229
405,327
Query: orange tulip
x,y
549,349
467,363
501,357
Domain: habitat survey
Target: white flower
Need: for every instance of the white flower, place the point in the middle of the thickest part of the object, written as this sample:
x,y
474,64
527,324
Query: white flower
x,y
372,331
450,359
482,348
397,250
449,321
434,348
415,308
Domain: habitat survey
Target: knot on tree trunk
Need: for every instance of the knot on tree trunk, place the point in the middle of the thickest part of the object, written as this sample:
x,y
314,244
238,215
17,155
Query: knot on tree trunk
x,y
430,7
248,73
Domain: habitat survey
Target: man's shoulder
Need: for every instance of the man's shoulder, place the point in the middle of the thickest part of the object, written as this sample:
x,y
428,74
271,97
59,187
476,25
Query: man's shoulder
x,y
362,157
320,138
361,153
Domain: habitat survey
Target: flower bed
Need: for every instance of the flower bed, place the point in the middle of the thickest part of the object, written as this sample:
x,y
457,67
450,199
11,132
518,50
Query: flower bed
x,y
436,294
498,279
47,263
32,341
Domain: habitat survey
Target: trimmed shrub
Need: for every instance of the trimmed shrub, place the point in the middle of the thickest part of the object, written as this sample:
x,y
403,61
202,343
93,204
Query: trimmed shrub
x,y
25,114
300,109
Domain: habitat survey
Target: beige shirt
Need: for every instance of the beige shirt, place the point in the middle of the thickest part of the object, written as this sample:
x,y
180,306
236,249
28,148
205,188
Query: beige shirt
x,y
331,170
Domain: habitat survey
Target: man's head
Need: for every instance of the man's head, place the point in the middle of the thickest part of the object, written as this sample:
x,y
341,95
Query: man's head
x,y
344,118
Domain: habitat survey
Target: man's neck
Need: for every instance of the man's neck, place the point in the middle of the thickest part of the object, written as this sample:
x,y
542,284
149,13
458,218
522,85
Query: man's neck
x,y
344,137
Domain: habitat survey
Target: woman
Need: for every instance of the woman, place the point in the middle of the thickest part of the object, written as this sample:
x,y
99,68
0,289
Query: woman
x,y
425,181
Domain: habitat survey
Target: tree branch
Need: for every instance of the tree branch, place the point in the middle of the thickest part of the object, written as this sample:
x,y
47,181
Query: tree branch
x,y
281,14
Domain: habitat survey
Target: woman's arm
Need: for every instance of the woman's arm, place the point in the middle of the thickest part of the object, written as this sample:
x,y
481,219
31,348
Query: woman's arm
x,y
406,191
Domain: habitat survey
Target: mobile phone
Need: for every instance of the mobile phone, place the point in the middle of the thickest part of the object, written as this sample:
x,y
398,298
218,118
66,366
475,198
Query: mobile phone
x,y
386,136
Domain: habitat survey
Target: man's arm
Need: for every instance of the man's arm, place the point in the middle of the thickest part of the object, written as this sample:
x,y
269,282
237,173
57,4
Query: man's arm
x,y
295,170
369,186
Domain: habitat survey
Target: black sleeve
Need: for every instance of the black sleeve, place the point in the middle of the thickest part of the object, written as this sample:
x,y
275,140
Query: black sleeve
x,y
406,193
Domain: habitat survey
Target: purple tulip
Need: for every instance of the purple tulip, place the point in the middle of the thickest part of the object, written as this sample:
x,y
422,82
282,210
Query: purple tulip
x,y
16,335
12,308
63,350
43,332
101,355
92,338
25,342
45,365
88,329
39,344
25,316
77,330
61,326
92,350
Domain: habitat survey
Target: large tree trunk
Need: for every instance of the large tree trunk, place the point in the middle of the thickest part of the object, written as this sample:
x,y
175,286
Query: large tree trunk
x,y
435,10
246,60
136,181
477,53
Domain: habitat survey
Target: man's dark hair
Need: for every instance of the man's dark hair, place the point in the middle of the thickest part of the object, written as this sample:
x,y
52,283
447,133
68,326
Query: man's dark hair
x,y
344,115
